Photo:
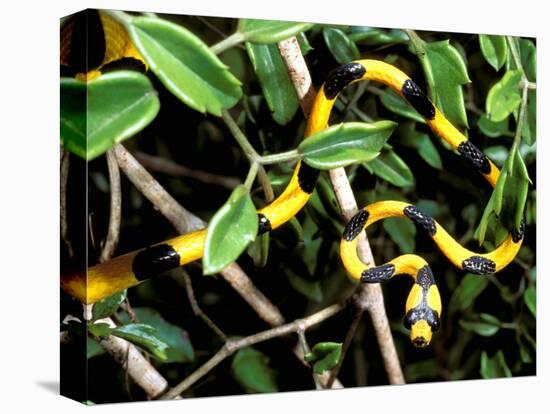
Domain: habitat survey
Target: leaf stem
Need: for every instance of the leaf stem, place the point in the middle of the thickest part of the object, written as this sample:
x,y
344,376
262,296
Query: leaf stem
x,y
241,139
280,157
420,51
515,54
252,172
227,43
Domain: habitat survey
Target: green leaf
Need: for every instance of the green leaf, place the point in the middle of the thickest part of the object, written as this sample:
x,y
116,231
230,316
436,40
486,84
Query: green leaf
x,y
345,144
231,229
108,306
410,137
370,36
305,46
93,348
98,114
185,65
396,104
493,129
488,326
251,370
309,288
258,250
504,96
340,45
449,73
390,167
144,336
269,31
468,290
494,49
324,355
179,347
494,367
99,330
402,232
274,80
530,297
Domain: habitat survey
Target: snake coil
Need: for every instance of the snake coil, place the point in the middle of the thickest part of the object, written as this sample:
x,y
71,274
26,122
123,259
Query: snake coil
x,y
423,306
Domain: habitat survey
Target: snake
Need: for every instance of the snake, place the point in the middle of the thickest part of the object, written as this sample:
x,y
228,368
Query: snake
x,y
423,306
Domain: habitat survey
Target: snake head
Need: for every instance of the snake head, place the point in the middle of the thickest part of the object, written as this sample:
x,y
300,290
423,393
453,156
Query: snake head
x,y
421,334
422,322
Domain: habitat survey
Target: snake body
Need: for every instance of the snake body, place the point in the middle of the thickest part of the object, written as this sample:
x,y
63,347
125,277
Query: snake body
x,y
423,306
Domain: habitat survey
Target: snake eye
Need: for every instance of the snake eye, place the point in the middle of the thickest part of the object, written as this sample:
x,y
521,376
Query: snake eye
x,y
433,320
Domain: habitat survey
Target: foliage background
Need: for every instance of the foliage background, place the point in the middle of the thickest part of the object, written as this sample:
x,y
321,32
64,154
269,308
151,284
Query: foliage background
x,y
303,272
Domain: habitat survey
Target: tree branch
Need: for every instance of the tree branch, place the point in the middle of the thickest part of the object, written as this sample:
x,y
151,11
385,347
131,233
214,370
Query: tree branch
x,y
369,296
174,169
184,222
234,345
113,232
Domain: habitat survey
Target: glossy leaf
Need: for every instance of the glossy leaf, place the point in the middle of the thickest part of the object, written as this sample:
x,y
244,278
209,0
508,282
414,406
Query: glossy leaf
x,y
324,355
370,36
258,250
274,80
99,330
402,232
504,96
530,297
106,307
309,288
100,113
468,290
251,370
397,104
230,231
494,367
144,336
493,129
494,49
93,348
340,45
410,137
185,65
516,188
390,167
449,73
179,347
270,31
345,144
488,326
305,46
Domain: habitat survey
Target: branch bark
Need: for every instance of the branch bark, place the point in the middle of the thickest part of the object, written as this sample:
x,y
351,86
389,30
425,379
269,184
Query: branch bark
x,y
184,222
233,345
174,169
113,232
369,296
136,365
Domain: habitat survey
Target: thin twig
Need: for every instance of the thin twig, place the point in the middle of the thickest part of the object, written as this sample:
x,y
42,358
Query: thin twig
x,y
234,345
180,218
227,43
115,209
184,222
369,296
345,346
266,184
169,167
63,178
196,308
306,350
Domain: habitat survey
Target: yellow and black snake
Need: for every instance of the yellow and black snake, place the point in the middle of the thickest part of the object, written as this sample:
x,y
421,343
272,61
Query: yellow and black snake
x,y
423,306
